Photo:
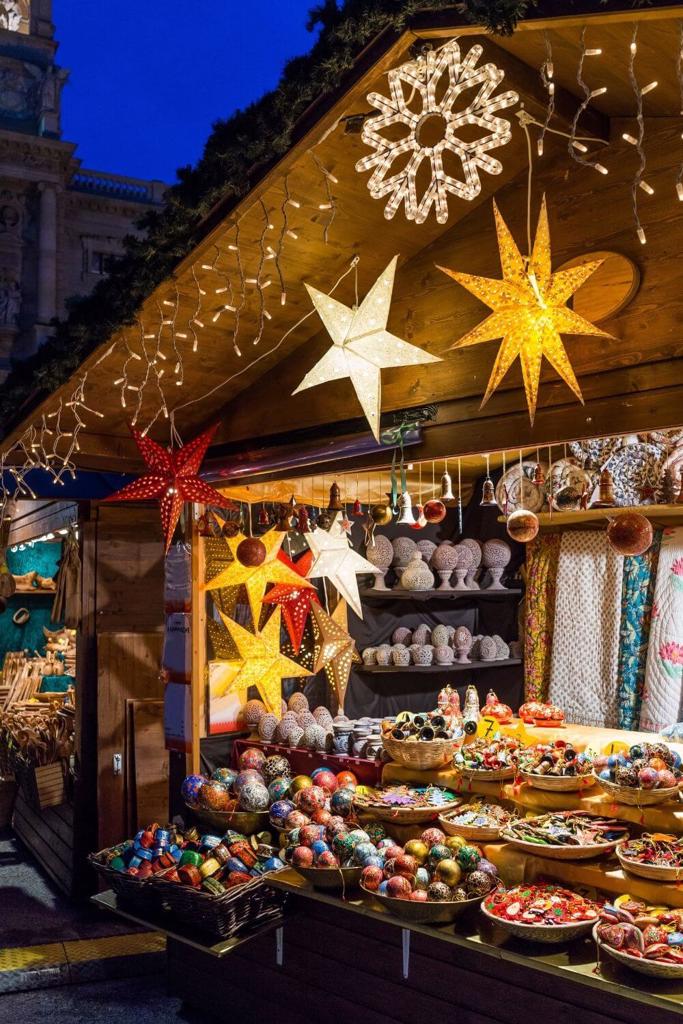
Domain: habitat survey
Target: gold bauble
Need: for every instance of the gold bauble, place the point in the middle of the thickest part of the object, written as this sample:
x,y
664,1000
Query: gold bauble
x,y
417,849
300,782
454,842
448,871
381,515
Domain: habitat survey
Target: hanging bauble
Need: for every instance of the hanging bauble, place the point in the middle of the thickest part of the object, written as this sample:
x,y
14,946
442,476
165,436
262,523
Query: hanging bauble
x,y
381,514
405,514
447,487
567,499
629,533
488,494
435,511
324,520
263,519
522,525
420,522
357,509
251,551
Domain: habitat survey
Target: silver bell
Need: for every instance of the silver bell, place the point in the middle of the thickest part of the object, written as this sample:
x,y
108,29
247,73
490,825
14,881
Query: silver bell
x,y
405,510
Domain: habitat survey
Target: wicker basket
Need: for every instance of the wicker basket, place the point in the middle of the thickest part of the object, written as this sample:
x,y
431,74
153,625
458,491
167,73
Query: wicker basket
x,y
638,797
559,783
245,822
236,910
420,755
546,933
424,913
331,878
127,887
403,815
642,966
660,874
474,833
561,852
487,775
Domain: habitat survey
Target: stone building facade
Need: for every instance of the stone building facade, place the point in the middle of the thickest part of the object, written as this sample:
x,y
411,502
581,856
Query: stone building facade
x,y
61,225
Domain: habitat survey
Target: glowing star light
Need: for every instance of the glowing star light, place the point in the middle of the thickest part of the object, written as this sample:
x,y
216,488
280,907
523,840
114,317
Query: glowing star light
x,y
334,648
294,600
172,478
334,560
438,101
362,345
260,662
529,311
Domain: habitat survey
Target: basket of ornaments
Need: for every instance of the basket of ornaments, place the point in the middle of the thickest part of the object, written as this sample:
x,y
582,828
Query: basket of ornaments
x,y
556,767
645,774
645,938
545,912
488,759
422,741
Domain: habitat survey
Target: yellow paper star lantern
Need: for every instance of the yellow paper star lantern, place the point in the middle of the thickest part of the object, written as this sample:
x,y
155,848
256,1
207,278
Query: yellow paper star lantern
x,y
335,560
261,663
217,557
362,345
256,578
334,648
530,310
222,677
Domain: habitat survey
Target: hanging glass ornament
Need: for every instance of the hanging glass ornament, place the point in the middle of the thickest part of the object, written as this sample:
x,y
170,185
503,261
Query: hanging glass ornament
x,y
435,511
488,491
447,486
357,509
405,510
522,525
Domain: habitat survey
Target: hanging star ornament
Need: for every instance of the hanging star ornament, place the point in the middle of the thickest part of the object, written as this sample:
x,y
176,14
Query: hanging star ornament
x,y
362,346
334,560
172,478
334,648
530,310
217,558
260,662
295,600
256,577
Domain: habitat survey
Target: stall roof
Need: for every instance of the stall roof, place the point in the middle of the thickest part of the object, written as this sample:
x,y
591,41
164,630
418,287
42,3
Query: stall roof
x,y
240,365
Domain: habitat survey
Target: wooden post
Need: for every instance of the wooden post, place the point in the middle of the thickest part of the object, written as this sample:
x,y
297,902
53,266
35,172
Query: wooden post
x,y
198,683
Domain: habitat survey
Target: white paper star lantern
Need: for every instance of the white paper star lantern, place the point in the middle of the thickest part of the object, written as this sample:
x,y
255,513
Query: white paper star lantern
x,y
335,561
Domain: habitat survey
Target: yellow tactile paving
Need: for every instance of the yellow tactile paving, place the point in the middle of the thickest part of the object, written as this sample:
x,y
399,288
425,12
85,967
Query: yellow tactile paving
x,y
31,958
56,954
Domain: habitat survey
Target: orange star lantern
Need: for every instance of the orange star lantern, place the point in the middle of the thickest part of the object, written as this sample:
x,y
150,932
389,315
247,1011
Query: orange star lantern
x,y
294,599
172,478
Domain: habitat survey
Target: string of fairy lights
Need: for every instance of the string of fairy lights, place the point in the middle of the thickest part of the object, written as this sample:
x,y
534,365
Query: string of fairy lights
x,y
150,360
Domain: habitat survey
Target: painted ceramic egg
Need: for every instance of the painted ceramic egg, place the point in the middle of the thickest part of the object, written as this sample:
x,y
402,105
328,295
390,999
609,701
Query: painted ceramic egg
x,y
648,778
327,860
310,799
250,775
280,811
327,780
399,888
448,871
225,775
376,831
341,802
418,850
438,892
422,878
267,727
346,780
190,789
298,702
309,834
295,819
468,857
254,797
276,766
440,636
300,782
273,864
214,796
321,817
372,877
438,852
433,836
252,712
302,857
278,788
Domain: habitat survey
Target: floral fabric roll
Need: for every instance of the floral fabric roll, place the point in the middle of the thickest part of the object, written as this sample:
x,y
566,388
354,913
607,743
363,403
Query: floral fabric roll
x,y
541,575
637,595
663,689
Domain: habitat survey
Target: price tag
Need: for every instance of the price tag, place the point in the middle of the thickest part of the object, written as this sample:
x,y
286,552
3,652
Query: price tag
x,y
615,747
487,727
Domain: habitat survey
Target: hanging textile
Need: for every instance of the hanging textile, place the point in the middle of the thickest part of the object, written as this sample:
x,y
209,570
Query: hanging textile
x,y
664,670
66,607
640,572
541,576
585,650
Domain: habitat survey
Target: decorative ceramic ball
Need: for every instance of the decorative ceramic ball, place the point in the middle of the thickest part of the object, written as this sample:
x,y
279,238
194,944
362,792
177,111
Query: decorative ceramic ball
x,y
426,549
276,766
300,782
479,883
191,788
433,837
421,635
380,552
295,737
267,727
400,655
305,718
444,655
438,892
327,859
667,779
343,846
448,871
488,866
248,775
363,853
438,852
424,655
630,533
462,637
252,759
254,797
326,780
404,548
310,799
321,817
214,796
422,878
296,820
417,575
323,717
475,550
647,778
468,857
314,737
369,656
404,865
440,636
309,834
495,554
402,635
399,888
376,831
347,780
302,857
298,702
502,649
445,558
279,811
371,878
341,802
418,896
225,775
251,551
464,556
434,511
278,788
487,649
252,712
522,525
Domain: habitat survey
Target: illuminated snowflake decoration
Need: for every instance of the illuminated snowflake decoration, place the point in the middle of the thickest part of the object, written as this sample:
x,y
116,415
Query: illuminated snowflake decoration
x,y
434,84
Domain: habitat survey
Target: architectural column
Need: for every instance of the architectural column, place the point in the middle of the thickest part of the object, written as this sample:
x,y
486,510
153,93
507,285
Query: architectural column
x,y
47,253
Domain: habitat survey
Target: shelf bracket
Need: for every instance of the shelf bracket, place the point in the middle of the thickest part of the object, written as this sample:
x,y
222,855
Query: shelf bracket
x,y
280,946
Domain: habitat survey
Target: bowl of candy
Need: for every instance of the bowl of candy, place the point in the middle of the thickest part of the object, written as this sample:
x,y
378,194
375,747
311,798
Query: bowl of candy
x,y
644,938
432,879
479,820
655,855
645,774
557,767
565,835
546,912
488,759
406,805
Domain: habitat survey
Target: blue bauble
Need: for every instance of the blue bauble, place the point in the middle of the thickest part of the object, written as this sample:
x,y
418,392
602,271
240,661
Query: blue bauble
x,y
384,844
279,788
317,771
605,774
363,851
273,864
225,775
254,797
190,789
320,846
615,760
341,802
374,862
279,811
422,878
676,759
383,888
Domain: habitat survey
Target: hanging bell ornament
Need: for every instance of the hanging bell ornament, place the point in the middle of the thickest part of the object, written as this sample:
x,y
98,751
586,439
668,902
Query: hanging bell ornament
x,y
405,510
421,521
357,509
304,521
434,511
539,475
335,504
447,487
381,514
606,491
263,517
488,494
288,516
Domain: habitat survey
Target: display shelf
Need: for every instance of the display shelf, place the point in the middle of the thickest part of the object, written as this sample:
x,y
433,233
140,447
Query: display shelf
x,y
399,594
597,516
456,667
34,592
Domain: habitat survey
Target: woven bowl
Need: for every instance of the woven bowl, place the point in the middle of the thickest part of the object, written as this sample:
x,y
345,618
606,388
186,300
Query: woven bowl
x,y
331,878
546,933
244,822
559,783
423,913
475,833
560,852
420,755
404,815
637,797
649,967
660,874
487,775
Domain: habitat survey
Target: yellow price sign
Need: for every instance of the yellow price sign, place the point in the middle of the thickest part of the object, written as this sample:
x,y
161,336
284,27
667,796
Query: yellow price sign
x,y
615,747
488,727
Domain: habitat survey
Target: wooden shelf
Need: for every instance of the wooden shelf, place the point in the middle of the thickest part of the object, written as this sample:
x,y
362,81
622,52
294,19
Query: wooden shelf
x,y
440,595
457,667
34,593
597,516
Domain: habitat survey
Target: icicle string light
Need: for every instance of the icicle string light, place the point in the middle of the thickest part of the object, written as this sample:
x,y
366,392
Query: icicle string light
x,y
573,149
638,180
547,72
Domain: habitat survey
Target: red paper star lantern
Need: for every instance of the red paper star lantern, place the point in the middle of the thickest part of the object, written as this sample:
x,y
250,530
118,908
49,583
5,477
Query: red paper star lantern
x,y
294,601
172,478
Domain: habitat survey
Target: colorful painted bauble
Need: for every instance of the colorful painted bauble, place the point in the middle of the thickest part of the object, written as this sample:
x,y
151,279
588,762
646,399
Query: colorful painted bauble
x,y
252,759
405,865
468,857
336,825
309,834
214,796
321,816
302,857
376,831
191,789
438,892
278,788
346,780
327,860
522,525
454,842
488,867
276,766
630,533
372,877
225,775
448,871
438,852
399,887
392,851
251,552
310,799
667,779
434,511
648,778
419,896
343,845
433,836
422,878
300,782
479,883
341,802
250,775
295,819
326,779
254,797
319,846
418,850
280,811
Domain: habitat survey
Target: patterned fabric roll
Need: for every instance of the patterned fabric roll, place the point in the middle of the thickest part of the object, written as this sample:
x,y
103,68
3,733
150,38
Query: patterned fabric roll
x,y
637,595
541,575
585,657
663,687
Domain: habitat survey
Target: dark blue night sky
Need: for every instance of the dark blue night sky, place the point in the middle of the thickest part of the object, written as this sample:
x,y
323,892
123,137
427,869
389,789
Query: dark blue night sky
x,y
149,78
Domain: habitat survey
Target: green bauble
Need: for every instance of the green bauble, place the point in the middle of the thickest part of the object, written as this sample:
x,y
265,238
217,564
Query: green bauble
x,y
468,857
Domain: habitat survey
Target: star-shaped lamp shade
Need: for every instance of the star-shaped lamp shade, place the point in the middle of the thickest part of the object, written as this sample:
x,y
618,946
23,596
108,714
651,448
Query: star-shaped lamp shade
x,y
295,600
530,310
264,567
334,560
362,346
260,662
333,647
172,478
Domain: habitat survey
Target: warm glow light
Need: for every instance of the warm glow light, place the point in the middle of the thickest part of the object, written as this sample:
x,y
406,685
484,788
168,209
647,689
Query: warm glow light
x,y
529,310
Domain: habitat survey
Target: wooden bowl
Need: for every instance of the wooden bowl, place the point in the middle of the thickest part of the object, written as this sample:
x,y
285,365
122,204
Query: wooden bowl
x,y
561,852
546,933
559,783
245,822
423,913
404,815
660,874
649,967
331,878
638,797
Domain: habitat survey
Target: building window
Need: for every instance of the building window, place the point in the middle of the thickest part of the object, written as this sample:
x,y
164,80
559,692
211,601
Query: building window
x,y
103,262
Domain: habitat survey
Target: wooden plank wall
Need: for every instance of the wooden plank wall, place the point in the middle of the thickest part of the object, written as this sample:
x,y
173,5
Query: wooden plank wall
x,y
49,834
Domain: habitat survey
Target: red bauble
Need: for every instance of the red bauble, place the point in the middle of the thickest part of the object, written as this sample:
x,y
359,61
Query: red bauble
x,y
372,877
327,780
399,887
347,780
630,533
434,511
251,551
302,857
